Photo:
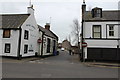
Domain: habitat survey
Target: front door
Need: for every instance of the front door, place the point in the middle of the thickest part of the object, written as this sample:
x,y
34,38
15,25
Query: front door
x,y
54,46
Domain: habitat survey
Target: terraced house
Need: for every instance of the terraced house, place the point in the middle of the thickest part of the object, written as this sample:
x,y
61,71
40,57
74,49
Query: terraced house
x,y
20,34
101,32
48,41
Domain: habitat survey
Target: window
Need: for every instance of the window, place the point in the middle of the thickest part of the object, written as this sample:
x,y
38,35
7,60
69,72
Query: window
x,y
97,31
25,49
97,12
7,48
26,35
111,30
48,45
6,34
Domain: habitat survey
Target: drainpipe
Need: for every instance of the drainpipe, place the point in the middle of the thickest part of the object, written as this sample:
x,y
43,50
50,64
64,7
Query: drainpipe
x,y
42,44
118,50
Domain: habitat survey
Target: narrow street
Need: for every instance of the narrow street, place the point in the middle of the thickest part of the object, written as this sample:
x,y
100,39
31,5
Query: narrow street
x,y
61,66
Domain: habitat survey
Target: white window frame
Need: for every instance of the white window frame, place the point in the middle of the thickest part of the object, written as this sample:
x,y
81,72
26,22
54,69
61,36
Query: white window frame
x,y
113,30
97,31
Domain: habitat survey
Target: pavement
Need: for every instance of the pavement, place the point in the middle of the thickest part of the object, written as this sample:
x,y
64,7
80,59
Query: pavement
x,y
102,64
14,60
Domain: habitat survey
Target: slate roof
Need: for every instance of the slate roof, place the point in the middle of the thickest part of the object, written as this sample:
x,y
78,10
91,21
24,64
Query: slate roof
x,y
48,32
106,16
12,20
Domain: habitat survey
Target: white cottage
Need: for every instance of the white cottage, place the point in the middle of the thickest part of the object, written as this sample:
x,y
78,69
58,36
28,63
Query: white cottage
x,y
48,41
101,32
19,34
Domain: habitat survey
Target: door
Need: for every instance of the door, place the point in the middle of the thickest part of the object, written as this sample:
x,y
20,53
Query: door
x,y
102,53
54,46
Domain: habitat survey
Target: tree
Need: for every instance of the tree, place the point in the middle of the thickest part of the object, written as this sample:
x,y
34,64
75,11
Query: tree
x,y
76,32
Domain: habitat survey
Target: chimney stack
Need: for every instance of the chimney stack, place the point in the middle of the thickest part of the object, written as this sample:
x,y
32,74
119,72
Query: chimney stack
x,y
83,9
47,26
30,9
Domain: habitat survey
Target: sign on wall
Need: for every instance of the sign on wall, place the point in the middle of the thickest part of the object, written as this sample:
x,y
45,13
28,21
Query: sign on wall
x,y
39,40
84,44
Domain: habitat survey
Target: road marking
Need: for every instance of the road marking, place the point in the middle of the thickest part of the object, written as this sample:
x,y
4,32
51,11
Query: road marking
x,y
32,61
46,75
40,62
71,63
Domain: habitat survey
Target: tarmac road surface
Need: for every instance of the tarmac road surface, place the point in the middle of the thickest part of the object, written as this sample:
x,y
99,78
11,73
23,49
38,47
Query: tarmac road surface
x,y
61,66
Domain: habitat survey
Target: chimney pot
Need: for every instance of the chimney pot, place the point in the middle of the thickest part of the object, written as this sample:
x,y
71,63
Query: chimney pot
x,y
47,26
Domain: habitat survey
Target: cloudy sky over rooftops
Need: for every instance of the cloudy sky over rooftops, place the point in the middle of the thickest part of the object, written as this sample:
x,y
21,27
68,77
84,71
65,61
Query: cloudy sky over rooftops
x,y
62,12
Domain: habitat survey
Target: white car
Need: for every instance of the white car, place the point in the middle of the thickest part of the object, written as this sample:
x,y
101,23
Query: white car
x,y
62,49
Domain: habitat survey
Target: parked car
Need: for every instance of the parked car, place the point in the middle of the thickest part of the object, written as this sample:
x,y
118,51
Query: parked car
x,y
62,49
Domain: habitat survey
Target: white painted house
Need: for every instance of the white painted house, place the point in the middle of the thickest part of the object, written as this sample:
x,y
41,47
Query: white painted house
x,y
101,32
48,41
19,34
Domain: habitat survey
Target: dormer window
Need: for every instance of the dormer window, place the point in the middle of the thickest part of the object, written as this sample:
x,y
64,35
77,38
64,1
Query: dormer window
x,y
97,12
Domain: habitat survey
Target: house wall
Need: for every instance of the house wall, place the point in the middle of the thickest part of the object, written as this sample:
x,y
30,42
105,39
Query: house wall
x,y
45,46
88,29
31,26
66,44
100,43
51,46
13,40
119,30
40,44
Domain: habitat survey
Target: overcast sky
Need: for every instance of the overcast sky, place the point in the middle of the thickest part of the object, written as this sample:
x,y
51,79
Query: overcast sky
x,y
62,12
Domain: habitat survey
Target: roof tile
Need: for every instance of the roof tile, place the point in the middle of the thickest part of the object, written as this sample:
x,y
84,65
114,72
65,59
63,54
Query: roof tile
x,y
12,20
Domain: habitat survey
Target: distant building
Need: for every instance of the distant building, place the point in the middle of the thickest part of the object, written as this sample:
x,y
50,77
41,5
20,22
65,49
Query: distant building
x,y
60,45
101,32
75,49
66,45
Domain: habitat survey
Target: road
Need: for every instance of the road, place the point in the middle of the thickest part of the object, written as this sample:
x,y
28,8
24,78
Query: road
x,y
61,66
